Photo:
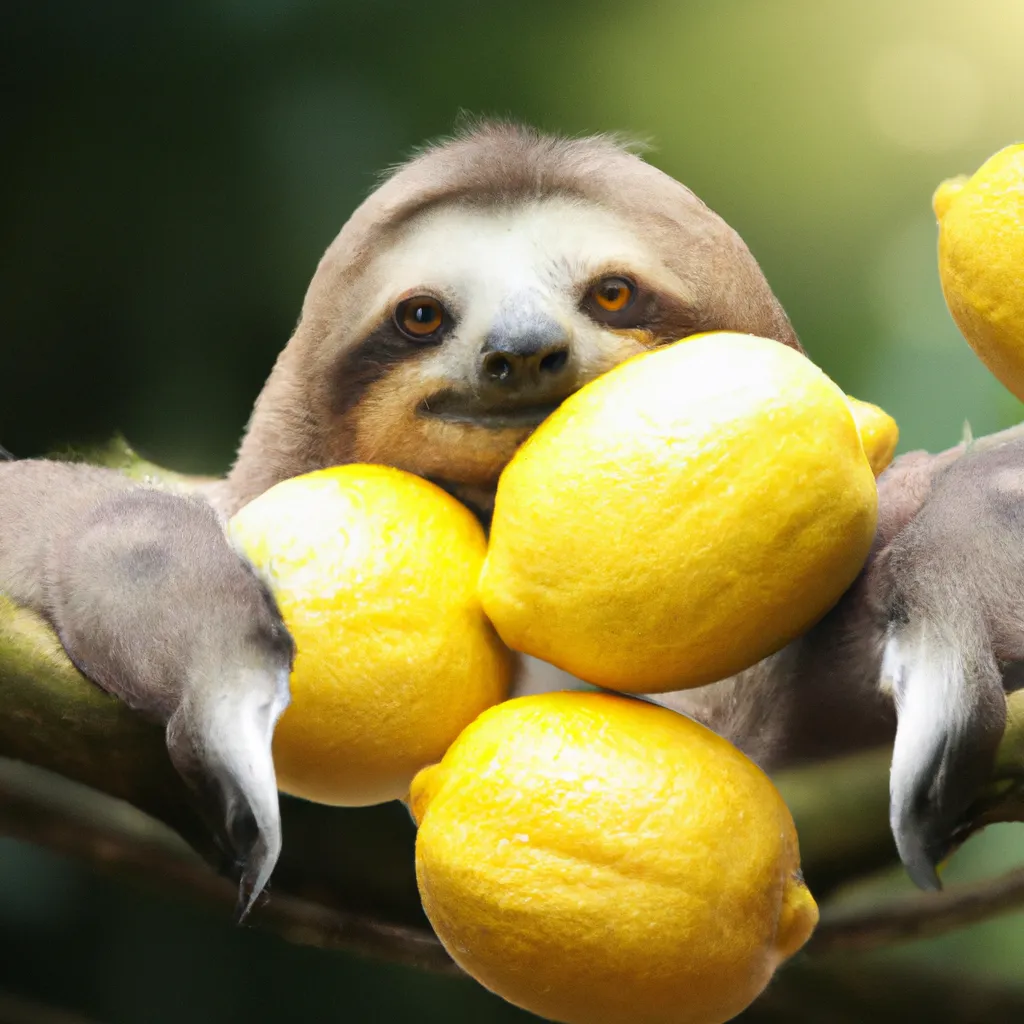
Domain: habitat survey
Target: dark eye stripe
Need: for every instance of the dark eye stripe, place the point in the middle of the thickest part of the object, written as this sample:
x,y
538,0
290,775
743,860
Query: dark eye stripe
x,y
363,363
664,316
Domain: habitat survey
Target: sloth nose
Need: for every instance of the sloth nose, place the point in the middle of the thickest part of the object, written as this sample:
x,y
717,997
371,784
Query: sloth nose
x,y
529,356
517,367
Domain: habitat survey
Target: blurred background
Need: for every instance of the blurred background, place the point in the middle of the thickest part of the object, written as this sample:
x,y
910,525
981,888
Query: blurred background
x,y
172,172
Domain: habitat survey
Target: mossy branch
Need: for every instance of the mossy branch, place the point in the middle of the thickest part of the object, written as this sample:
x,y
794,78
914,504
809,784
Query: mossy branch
x,y
346,877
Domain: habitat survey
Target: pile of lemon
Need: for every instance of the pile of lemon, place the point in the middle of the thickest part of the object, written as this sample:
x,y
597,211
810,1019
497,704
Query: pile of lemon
x,y
586,856
590,857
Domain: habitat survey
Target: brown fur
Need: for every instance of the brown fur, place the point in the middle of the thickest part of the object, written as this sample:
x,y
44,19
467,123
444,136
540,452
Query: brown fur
x,y
712,279
946,567
385,428
709,280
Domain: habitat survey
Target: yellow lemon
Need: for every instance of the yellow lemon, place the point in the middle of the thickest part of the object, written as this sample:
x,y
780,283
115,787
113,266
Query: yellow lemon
x,y
981,261
681,517
599,860
878,431
375,573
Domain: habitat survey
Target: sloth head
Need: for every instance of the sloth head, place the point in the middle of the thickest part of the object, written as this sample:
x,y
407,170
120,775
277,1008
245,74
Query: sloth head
x,y
481,284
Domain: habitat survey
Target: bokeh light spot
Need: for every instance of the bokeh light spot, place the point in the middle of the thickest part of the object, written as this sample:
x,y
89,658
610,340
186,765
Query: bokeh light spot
x,y
924,95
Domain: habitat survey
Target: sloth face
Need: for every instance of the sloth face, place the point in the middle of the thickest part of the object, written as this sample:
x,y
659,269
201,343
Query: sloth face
x,y
477,287
487,318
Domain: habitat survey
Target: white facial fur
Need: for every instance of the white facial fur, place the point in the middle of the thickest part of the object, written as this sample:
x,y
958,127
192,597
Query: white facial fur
x,y
543,254
501,271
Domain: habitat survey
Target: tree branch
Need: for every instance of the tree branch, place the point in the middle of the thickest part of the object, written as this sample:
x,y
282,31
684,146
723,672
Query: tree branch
x,y
841,809
56,719
116,838
917,917
838,990
346,876
921,916
71,819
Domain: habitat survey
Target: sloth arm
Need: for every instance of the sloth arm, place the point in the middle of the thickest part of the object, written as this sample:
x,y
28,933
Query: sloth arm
x,y
152,604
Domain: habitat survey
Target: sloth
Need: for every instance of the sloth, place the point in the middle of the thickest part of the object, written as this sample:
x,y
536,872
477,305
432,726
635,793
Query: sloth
x,y
483,282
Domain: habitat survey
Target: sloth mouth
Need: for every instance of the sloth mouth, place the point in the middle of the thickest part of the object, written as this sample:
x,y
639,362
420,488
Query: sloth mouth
x,y
458,407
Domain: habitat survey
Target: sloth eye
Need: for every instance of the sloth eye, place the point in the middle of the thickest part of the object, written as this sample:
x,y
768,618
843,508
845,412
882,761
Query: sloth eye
x,y
612,294
420,317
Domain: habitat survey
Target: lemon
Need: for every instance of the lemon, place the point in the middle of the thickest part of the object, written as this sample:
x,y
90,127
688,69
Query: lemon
x,y
981,261
375,573
878,431
599,860
681,517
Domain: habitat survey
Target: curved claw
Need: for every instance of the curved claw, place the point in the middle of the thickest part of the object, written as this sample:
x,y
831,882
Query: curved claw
x,y
951,714
220,743
151,602
947,586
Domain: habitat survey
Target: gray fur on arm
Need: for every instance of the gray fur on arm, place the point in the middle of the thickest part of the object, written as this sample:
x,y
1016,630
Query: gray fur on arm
x,y
151,602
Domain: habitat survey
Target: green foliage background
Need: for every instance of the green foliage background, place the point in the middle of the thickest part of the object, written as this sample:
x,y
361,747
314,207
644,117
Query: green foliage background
x,y
172,172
